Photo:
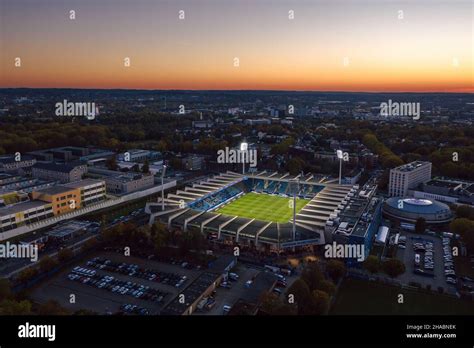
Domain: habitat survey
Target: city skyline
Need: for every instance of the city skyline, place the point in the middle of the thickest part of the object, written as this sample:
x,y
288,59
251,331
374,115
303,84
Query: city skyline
x,y
361,46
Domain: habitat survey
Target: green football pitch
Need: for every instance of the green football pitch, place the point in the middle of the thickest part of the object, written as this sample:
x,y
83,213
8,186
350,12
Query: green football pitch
x,y
263,207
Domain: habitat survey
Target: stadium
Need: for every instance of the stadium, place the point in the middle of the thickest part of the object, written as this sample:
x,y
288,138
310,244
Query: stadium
x,y
267,211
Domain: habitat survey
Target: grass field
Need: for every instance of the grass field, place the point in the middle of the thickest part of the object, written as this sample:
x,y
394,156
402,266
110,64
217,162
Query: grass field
x,y
262,207
362,297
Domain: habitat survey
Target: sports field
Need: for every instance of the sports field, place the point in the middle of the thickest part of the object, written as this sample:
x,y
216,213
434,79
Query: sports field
x,y
263,207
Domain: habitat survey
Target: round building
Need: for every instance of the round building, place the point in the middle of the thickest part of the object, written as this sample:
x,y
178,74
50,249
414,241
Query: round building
x,y
411,209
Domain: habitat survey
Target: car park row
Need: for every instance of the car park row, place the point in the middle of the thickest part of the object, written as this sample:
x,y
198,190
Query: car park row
x,y
133,270
424,257
448,262
139,291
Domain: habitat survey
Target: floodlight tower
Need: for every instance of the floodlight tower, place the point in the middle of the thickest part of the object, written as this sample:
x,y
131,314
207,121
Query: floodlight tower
x,y
243,148
163,188
340,155
295,183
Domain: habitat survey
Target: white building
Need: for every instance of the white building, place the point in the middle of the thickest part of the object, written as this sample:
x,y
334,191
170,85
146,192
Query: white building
x,y
408,176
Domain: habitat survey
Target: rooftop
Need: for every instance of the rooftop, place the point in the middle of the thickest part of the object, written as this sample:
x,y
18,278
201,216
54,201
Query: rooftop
x,y
82,183
412,166
63,168
55,190
13,209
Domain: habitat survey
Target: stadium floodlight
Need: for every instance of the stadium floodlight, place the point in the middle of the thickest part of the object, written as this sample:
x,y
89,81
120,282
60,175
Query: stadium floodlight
x,y
243,148
293,188
340,155
162,188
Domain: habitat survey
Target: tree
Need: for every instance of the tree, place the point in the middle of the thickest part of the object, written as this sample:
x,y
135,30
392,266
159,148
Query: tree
x,y
159,236
393,267
465,228
312,275
89,244
336,269
302,295
47,263
465,211
327,286
65,254
372,264
5,289
420,225
146,167
27,274
319,304
52,307
12,307
111,163
269,302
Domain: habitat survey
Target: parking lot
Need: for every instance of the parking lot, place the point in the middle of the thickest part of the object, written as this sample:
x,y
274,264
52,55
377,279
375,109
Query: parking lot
x,y
228,296
106,283
429,267
236,289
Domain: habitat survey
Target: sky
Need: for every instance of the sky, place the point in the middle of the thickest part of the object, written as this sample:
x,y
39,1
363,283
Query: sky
x,y
329,45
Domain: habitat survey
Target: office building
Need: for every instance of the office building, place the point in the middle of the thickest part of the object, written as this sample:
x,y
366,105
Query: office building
x,y
59,172
9,164
408,176
63,199
128,182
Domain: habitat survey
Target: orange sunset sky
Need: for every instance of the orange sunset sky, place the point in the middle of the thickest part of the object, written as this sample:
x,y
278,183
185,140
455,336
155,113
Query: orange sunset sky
x,y
430,49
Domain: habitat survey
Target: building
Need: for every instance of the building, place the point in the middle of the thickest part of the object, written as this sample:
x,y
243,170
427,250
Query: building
x,y
193,162
63,199
408,176
128,182
138,155
9,164
69,229
23,213
411,209
9,183
251,299
356,220
256,122
61,154
201,287
195,207
203,124
91,190
448,191
59,172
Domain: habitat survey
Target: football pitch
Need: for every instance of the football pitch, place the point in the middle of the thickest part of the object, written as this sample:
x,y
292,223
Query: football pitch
x,y
263,207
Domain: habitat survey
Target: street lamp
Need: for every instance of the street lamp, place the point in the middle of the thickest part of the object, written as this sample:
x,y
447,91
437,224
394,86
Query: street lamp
x,y
243,149
340,156
163,188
